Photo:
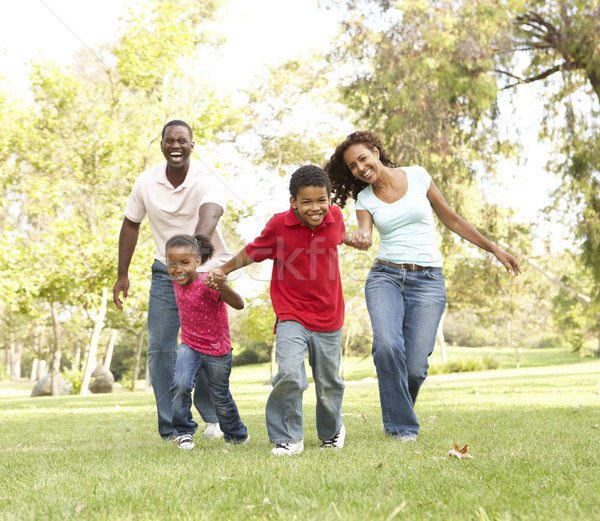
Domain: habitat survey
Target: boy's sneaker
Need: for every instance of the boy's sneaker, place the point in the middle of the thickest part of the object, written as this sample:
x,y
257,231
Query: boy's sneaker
x,y
213,431
185,442
337,442
287,449
238,442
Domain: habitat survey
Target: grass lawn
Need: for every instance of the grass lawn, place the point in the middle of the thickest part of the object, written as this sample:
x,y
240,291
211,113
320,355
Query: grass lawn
x,y
534,434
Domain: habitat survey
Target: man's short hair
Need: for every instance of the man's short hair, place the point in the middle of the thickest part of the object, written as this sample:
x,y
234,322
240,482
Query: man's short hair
x,y
177,123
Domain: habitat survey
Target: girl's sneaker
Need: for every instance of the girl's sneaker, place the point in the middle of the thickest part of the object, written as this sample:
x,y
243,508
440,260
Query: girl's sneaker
x,y
185,441
287,449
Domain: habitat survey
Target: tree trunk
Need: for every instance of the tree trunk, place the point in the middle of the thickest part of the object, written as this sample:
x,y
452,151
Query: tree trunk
x,y
110,348
273,357
57,349
7,359
136,361
77,358
98,321
43,369
17,356
10,364
34,369
440,337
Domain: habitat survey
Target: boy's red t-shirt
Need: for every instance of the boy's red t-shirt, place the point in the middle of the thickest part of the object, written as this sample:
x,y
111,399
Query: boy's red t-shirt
x,y
305,282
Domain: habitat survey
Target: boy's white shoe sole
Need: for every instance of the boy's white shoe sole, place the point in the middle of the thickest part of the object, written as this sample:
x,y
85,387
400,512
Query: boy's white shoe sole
x,y
288,449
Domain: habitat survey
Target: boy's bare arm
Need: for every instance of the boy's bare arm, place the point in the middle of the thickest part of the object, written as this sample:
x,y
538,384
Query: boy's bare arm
x,y
239,261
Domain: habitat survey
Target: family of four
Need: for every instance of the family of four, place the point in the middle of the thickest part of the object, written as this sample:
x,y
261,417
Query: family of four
x,y
405,289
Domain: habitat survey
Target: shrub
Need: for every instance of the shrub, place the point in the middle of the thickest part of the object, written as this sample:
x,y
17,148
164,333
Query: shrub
x,y
73,379
465,365
251,353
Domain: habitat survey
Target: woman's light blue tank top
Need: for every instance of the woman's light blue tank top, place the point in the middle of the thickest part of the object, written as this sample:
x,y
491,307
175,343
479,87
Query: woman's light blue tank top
x,y
406,226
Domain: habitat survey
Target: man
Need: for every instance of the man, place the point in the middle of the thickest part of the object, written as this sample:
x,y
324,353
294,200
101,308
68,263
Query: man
x,y
179,196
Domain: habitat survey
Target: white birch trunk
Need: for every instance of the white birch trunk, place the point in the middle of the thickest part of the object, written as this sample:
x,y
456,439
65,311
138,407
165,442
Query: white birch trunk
x,y
98,321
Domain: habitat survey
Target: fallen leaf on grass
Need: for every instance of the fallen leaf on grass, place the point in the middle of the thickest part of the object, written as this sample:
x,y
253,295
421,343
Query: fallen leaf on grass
x,y
597,426
459,453
362,416
78,508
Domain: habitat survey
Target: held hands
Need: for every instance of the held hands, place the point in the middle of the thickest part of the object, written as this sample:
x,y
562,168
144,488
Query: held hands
x,y
215,279
361,240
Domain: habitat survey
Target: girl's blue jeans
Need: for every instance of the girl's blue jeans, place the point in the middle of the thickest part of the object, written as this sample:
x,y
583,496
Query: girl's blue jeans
x,y
284,405
163,328
217,369
405,309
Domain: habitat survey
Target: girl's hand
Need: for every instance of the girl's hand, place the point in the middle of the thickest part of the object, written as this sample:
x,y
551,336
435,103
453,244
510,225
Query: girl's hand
x,y
213,277
508,261
218,278
361,239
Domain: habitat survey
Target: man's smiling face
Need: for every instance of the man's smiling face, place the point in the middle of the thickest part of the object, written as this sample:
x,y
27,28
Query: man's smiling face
x,y
177,146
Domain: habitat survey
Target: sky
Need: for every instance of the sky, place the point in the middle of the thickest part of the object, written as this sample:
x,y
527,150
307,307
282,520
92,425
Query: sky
x,y
258,32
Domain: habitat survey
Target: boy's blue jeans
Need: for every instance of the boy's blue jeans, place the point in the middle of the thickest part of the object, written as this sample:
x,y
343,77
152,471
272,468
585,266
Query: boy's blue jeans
x,y
405,309
284,405
163,328
217,369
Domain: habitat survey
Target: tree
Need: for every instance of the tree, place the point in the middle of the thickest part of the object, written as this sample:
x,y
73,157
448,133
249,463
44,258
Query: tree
x,y
557,45
293,115
88,133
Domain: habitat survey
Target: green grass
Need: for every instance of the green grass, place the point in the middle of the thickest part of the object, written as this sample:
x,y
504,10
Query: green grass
x,y
507,357
533,433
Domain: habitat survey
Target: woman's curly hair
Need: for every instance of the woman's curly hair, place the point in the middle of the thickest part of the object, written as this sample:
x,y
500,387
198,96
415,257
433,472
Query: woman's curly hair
x,y
344,184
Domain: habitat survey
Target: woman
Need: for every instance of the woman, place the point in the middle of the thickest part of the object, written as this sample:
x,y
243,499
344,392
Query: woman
x,y
405,289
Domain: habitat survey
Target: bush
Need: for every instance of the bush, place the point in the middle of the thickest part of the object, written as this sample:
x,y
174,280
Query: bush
x,y
466,365
252,353
73,378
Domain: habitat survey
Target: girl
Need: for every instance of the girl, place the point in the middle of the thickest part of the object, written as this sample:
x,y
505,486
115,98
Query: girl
x,y
405,290
205,341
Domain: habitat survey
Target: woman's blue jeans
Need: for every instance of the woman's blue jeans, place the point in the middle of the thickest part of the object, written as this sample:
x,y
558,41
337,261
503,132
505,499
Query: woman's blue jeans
x,y
405,309
163,329
284,405
217,369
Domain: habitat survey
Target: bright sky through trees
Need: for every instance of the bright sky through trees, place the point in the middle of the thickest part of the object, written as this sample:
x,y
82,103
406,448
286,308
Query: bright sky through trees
x,y
257,32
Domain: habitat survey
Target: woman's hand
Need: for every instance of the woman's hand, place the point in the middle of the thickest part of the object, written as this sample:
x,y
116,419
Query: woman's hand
x,y
508,261
361,239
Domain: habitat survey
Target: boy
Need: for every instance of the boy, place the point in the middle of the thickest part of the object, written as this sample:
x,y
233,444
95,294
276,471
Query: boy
x,y
306,293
